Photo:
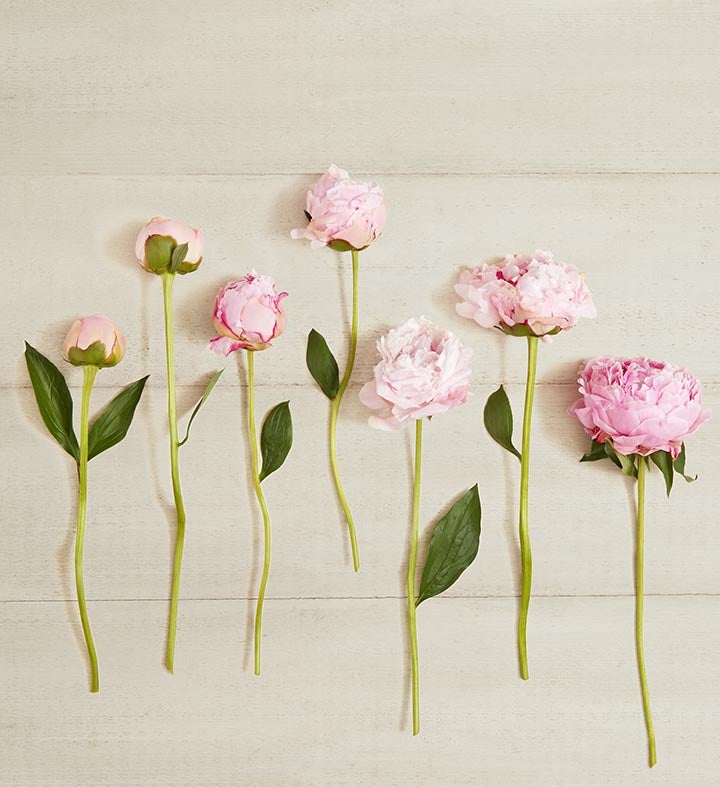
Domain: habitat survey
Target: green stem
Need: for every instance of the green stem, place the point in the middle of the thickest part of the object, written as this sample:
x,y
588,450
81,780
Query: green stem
x,y
167,282
525,552
263,506
89,373
412,562
639,592
335,409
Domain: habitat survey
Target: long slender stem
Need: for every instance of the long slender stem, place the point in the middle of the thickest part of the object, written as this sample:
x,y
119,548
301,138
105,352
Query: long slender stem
x,y
89,373
167,282
412,561
263,507
639,593
335,409
525,551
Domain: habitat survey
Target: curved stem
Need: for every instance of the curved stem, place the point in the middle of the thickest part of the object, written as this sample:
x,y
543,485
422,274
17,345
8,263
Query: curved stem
x,y
525,552
167,282
412,561
263,506
89,373
639,592
335,409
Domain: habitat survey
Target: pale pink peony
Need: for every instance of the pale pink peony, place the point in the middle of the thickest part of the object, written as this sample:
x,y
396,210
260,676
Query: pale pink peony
x,y
640,406
423,371
248,314
523,290
94,341
343,210
179,233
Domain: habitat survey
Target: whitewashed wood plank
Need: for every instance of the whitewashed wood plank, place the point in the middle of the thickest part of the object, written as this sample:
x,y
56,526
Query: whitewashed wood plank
x,y
502,86
648,246
581,515
331,707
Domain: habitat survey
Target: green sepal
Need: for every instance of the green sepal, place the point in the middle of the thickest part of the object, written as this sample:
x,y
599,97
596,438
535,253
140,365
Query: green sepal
x,y
307,215
525,330
93,355
189,267
53,399
178,257
453,546
664,462
596,452
322,365
208,390
275,439
111,426
498,419
625,463
341,245
159,252
679,465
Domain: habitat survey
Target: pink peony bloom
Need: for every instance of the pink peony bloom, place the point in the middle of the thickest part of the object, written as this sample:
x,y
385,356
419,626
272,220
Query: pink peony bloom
x,y
640,406
176,234
533,291
343,210
94,341
248,314
423,371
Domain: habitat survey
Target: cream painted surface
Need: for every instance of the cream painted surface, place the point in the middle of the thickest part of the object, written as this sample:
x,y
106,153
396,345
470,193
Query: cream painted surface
x,y
590,128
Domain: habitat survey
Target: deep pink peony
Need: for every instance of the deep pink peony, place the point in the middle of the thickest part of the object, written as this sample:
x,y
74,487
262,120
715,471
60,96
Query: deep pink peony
x,y
641,406
423,371
248,314
174,231
94,341
343,210
530,290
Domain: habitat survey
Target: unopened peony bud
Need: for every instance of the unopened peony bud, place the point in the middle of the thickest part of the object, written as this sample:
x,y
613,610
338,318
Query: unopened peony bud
x,y
165,246
94,341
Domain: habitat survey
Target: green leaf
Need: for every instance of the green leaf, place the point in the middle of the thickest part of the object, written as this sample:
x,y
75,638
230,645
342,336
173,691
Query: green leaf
x,y
596,452
53,399
275,439
625,463
178,257
322,364
498,419
111,426
680,465
341,245
453,546
159,251
664,461
203,399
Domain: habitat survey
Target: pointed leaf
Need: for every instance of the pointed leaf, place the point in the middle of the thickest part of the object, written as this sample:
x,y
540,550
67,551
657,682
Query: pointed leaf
x,y
596,452
203,399
498,419
113,423
53,399
664,461
625,463
322,365
178,257
453,546
680,465
276,438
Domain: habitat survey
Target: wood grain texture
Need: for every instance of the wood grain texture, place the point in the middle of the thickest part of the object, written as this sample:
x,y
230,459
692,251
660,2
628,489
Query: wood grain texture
x,y
332,705
511,86
588,127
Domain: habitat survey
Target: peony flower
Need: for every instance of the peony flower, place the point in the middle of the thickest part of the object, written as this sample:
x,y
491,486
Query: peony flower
x,y
340,209
94,341
248,314
638,405
423,371
535,292
158,240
